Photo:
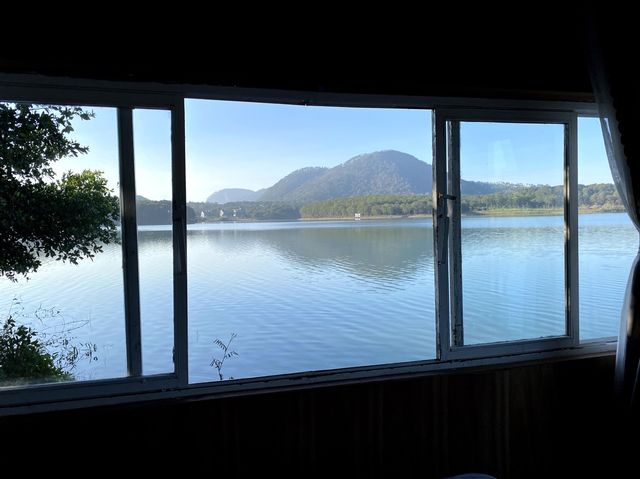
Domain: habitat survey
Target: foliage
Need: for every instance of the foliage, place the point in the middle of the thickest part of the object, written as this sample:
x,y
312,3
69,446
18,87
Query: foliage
x,y
600,196
595,197
30,356
226,354
23,356
66,219
371,205
245,210
149,212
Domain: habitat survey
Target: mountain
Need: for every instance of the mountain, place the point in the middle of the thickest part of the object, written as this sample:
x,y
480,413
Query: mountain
x,y
290,187
230,195
387,172
381,172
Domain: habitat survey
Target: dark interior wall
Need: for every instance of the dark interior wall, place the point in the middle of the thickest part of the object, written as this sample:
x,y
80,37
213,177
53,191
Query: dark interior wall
x,y
528,421
532,54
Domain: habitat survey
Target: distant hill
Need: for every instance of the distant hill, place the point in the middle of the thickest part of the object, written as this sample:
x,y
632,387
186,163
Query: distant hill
x,y
230,195
293,185
387,172
381,173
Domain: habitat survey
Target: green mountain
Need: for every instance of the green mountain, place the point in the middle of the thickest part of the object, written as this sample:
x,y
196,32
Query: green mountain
x,y
387,172
379,173
230,195
293,185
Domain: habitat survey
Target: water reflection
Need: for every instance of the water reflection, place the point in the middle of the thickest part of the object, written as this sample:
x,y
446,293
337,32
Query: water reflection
x,y
312,296
369,253
308,296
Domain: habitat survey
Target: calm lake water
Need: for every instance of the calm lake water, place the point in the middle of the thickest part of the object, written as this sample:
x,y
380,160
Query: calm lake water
x,y
312,296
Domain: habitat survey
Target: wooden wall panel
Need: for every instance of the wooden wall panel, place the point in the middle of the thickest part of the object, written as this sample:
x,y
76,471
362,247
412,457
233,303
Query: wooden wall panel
x,y
524,421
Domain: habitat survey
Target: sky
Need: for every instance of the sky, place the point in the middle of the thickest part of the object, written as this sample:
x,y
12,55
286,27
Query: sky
x,y
253,145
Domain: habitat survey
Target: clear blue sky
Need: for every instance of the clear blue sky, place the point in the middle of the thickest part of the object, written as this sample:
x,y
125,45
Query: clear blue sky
x,y
249,145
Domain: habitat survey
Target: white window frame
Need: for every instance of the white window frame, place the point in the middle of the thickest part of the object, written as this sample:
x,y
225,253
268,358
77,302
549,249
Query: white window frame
x,y
124,103
137,387
447,241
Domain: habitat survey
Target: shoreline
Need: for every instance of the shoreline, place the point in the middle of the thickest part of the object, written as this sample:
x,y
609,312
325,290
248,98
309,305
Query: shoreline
x,y
536,212
510,212
367,218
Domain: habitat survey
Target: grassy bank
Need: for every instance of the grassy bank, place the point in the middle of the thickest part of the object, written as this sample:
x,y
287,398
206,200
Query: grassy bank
x,y
367,218
539,211
516,212
492,212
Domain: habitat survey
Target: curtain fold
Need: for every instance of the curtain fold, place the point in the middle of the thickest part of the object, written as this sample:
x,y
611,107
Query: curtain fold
x,y
626,176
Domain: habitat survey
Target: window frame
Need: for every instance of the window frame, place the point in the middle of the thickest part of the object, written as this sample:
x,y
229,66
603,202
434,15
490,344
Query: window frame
x,y
124,103
126,96
447,246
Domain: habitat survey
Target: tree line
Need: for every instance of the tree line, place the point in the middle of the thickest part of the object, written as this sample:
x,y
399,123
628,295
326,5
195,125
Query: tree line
x,y
595,197
599,197
370,205
244,210
149,212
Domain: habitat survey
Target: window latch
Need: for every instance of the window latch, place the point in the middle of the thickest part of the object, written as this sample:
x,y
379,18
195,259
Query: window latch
x,y
447,197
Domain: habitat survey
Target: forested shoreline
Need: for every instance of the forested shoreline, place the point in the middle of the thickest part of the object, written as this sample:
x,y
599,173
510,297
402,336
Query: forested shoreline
x,y
541,199
548,199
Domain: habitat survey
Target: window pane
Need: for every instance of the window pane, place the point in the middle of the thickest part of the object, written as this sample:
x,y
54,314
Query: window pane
x,y
310,243
152,140
608,241
512,231
66,322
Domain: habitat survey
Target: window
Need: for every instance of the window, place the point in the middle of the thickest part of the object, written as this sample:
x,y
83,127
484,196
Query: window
x,y
152,143
69,309
512,232
264,243
86,308
510,282
310,242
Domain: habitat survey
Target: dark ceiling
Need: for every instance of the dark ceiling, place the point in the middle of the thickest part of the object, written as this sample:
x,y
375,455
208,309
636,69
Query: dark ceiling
x,y
533,54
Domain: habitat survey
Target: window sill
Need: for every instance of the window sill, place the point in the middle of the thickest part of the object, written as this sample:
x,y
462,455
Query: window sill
x,y
318,379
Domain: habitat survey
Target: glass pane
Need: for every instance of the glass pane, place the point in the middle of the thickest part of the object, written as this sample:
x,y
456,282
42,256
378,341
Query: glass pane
x,y
512,231
64,321
607,239
152,140
310,243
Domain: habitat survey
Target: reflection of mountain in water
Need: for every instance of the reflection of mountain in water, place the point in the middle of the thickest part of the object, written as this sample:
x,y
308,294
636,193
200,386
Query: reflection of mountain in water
x,y
384,253
380,253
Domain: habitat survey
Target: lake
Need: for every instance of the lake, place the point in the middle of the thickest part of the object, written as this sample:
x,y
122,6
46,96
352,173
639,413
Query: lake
x,y
304,296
